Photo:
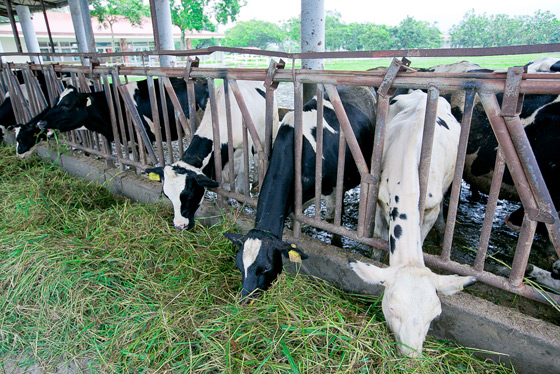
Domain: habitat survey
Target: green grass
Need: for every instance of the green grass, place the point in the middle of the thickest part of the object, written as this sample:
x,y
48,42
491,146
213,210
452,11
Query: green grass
x,y
95,279
490,62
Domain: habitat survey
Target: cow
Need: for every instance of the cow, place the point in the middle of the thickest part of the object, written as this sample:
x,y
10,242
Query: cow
x,y
410,301
75,110
261,250
539,116
184,181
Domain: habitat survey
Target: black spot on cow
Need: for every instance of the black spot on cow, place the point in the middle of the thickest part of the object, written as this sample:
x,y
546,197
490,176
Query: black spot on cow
x,y
397,231
392,244
430,194
403,217
310,105
261,92
392,101
397,199
394,213
442,123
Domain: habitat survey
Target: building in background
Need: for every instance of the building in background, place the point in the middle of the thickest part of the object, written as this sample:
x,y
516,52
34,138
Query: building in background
x,y
126,38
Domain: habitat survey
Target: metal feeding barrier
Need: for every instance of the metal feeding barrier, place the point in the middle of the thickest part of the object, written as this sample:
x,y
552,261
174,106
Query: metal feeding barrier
x,y
134,148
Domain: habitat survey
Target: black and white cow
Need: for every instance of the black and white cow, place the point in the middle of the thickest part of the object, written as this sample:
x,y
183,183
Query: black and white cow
x,y
75,110
411,301
539,116
185,181
261,250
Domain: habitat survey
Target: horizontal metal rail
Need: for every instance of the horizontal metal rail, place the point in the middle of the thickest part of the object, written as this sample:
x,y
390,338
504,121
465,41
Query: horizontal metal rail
x,y
513,150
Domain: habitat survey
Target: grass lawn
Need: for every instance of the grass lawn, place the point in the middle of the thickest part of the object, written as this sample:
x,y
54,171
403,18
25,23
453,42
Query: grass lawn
x,y
95,279
490,62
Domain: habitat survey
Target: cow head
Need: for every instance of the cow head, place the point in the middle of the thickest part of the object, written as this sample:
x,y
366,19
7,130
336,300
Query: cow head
x,y
69,112
27,137
410,301
260,259
184,185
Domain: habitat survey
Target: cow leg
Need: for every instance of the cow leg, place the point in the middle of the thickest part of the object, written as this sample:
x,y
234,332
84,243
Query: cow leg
x,y
439,225
330,202
544,277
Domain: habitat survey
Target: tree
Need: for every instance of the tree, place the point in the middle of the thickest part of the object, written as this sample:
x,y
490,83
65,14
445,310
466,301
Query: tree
x,y
471,30
110,12
335,31
203,15
292,30
259,34
500,29
376,37
415,34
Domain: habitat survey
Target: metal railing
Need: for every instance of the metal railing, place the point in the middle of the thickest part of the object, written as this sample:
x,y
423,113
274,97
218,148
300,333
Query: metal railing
x,y
133,148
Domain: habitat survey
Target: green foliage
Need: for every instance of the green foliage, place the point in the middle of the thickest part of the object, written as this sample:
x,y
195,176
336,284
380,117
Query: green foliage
x,y
368,36
501,30
259,34
109,12
415,34
203,14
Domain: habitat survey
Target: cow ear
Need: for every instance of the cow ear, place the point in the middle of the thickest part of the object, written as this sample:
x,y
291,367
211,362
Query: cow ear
x,y
155,174
11,127
371,273
451,284
291,251
237,239
204,181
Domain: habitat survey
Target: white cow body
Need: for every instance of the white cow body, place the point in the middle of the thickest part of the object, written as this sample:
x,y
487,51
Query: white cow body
x,y
195,163
410,301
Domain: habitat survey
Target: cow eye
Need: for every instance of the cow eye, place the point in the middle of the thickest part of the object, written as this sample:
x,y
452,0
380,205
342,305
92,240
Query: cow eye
x,y
267,269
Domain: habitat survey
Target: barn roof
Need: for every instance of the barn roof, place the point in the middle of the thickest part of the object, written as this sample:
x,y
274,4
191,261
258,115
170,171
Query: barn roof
x,y
34,5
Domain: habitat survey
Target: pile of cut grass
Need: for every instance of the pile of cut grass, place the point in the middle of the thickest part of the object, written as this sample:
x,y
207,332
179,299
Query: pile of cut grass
x,y
90,278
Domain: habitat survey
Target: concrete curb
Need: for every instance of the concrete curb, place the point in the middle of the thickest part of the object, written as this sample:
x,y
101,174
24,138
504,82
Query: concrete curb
x,y
502,334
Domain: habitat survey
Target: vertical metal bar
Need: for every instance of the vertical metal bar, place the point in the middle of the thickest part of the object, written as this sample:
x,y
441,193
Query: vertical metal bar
x,y
155,119
178,109
522,251
256,141
298,147
340,178
376,159
48,27
154,25
127,140
14,25
534,177
134,141
138,124
213,105
491,204
427,145
319,153
490,104
192,108
227,101
165,116
246,168
457,178
114,123
269,119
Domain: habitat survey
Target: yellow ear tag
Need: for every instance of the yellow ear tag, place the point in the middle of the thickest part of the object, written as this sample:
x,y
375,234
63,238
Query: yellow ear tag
x,y
294,256
154,177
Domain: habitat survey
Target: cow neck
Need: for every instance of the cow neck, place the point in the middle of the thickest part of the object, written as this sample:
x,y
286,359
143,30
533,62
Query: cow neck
x,y
404,216
199,152
276,196
98,113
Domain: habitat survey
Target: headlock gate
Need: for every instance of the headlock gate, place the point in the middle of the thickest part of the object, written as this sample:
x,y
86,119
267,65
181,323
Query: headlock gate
x,y
133,148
